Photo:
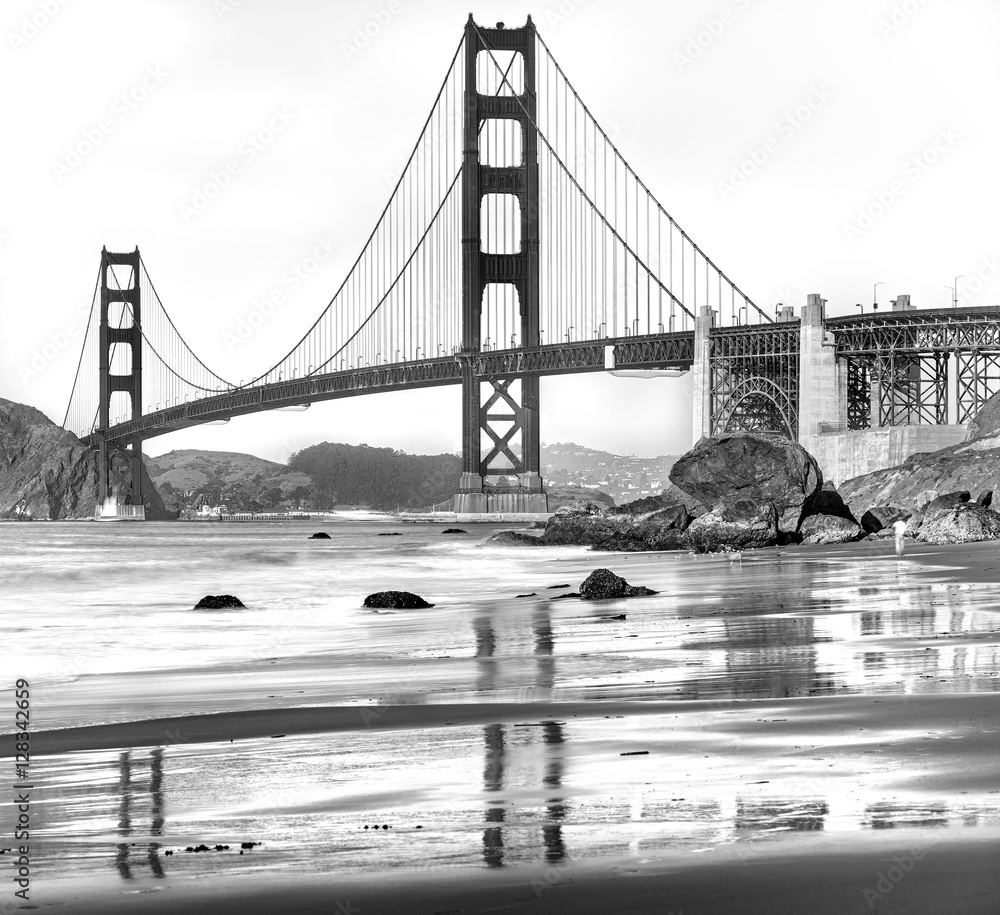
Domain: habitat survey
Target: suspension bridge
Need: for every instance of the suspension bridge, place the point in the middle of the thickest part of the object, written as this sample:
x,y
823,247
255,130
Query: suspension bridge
x,y
519,242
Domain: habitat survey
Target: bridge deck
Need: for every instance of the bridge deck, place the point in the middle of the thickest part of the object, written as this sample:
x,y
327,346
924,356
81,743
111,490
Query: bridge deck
x,y
658,351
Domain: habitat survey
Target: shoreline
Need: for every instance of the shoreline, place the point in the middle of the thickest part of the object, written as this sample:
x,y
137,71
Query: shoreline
x,y
885,711
905,871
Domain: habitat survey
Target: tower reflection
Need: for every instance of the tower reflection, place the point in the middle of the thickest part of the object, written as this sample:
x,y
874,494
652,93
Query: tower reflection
x,y
131,794
501,742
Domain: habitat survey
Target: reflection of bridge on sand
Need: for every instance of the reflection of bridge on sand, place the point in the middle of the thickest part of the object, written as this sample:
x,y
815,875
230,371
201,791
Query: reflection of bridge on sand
x,y
132,803
500,739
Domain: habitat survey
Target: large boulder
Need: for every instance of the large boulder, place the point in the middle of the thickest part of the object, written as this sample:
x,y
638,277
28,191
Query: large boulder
x,y
819,529
603,584
741,525
961,522
751,466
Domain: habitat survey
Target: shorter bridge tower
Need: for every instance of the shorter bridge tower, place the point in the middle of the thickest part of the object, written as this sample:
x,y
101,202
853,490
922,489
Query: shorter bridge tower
x,y
120,324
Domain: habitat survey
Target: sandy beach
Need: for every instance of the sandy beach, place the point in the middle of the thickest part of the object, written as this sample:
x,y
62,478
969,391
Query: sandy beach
x,y
698,755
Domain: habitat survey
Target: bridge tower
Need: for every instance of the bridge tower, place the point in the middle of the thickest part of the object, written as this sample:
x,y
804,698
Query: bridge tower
x,y
501,407
119,289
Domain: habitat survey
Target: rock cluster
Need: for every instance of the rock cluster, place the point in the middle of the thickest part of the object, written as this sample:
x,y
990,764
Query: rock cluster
x,y
733,492
747,490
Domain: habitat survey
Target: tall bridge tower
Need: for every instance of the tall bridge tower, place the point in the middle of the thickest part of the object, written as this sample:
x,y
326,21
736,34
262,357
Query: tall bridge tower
x,y
504,408
119,291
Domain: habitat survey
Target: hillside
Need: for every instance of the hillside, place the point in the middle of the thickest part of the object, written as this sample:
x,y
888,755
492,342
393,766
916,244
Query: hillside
x,y
379,477
242,482
624,478
328,474
47,473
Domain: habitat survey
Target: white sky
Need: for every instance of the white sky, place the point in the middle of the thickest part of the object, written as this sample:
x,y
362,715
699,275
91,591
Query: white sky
x,y
886,80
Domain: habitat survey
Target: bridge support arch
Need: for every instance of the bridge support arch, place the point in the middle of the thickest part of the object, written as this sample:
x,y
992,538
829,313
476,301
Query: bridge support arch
x,y
503,408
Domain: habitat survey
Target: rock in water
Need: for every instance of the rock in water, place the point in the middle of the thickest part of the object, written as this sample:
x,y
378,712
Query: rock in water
x,y
515,538
321,535
453,530
219,602
740,526
396,600
751,466
962,522
830,529
603,584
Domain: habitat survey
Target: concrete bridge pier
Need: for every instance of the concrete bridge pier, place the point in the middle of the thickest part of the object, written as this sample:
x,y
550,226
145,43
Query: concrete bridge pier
x,y
843,453
701,375
822,380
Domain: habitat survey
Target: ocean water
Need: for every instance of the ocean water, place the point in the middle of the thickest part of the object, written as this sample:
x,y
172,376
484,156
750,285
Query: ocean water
x,y
100,620
87,604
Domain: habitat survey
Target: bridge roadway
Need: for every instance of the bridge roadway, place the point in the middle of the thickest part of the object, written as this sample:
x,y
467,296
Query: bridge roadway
x,y
912,331
656,351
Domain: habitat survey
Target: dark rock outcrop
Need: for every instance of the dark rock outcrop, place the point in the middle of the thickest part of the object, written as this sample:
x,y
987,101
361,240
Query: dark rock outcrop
x,y
985,498
754,467
829,502
961,522
396,600
453,530
741,525
320,535
514,538
625,528
219,602
934,506
603,584
47,473
881,517
819,529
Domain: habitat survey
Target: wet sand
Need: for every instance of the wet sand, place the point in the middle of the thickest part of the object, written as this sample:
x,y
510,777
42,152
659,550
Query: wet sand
x,y
740,754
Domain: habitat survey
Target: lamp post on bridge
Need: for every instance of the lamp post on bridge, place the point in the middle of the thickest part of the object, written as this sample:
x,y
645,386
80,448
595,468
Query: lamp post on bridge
x,y
569,335
859,305
954,291
875,295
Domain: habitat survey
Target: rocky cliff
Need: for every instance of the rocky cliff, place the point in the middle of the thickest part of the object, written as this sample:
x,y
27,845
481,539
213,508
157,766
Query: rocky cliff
x,y
973,465
48,473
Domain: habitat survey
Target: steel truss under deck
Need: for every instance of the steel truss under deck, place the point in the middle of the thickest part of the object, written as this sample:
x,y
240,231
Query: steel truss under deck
x,y
903,362
755,379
